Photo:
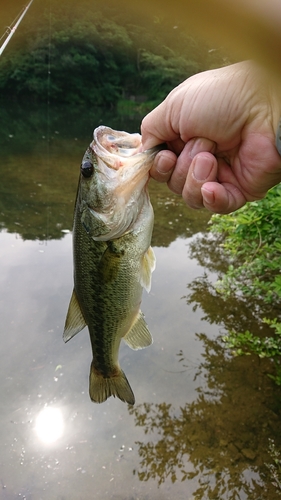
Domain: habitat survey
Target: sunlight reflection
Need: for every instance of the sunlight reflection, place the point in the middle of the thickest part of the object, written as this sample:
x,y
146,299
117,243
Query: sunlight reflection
x,y
49,425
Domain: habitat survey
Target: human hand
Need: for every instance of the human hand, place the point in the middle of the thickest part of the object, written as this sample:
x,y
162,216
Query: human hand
x,y
220,128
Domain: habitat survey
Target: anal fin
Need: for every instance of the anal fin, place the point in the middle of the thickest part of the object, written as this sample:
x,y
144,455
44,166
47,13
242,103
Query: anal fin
x,y
139,335
75,321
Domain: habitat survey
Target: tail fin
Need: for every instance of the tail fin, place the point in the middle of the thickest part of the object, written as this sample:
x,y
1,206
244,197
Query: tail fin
x,y
102,388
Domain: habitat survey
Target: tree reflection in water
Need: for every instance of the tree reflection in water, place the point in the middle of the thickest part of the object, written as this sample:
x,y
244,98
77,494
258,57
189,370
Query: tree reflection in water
x,y
219,442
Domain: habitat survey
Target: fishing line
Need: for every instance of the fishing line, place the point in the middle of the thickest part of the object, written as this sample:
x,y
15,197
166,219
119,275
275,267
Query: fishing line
x,y
48,135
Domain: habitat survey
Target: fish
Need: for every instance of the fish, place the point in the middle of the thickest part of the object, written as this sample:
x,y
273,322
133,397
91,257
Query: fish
x,y
112,256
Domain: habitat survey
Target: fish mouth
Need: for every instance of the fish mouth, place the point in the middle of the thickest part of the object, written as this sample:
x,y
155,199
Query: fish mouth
x,y
116,142
114,146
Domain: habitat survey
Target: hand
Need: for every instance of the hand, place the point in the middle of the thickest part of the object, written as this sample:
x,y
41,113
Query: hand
x,y
220,128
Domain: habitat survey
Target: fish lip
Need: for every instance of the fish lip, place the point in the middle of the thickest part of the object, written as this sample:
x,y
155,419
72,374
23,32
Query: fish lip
x,y
114,161
156,149
112,137
115,148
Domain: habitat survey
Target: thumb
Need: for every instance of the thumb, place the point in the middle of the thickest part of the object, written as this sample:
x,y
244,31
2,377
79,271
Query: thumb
x,y
156,128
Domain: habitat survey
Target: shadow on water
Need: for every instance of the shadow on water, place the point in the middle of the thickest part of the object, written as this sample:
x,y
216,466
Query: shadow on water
x,y
203,419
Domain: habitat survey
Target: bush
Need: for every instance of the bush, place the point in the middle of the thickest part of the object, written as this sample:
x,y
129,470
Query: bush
x,y
252,242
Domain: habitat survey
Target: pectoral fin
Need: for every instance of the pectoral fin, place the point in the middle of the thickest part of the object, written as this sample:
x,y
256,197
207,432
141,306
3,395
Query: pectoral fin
x,y
75,321
147,268
139,336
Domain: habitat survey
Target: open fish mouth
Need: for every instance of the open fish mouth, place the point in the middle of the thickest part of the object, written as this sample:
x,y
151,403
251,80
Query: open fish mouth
x,y
109,143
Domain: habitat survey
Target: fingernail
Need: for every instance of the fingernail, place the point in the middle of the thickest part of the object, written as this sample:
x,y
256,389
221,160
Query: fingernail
x,y
202,167
163,164
200,145
208,196
196,148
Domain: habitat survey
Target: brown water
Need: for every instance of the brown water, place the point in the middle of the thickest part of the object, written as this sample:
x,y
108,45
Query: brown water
x,y
201,425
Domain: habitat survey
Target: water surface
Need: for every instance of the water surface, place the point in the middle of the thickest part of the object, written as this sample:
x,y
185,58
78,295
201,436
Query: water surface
x,y
201,425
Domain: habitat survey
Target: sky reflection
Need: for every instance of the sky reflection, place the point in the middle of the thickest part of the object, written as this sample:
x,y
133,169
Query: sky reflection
x,y
57,444
49,425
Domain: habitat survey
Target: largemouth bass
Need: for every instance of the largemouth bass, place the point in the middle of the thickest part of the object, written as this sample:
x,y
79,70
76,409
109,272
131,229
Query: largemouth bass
x,y
113,259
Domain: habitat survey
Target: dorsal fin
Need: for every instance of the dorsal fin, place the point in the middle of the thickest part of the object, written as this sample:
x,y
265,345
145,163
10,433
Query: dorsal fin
x,y
75,321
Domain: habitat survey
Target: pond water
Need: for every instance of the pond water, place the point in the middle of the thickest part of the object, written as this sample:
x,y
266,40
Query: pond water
x,y
202,421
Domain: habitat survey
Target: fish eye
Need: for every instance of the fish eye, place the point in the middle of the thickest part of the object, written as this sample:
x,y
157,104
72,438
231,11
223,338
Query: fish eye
x,y
87,169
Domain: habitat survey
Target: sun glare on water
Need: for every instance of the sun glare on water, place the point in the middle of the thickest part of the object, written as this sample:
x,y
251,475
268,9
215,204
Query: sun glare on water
x,y
49,425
